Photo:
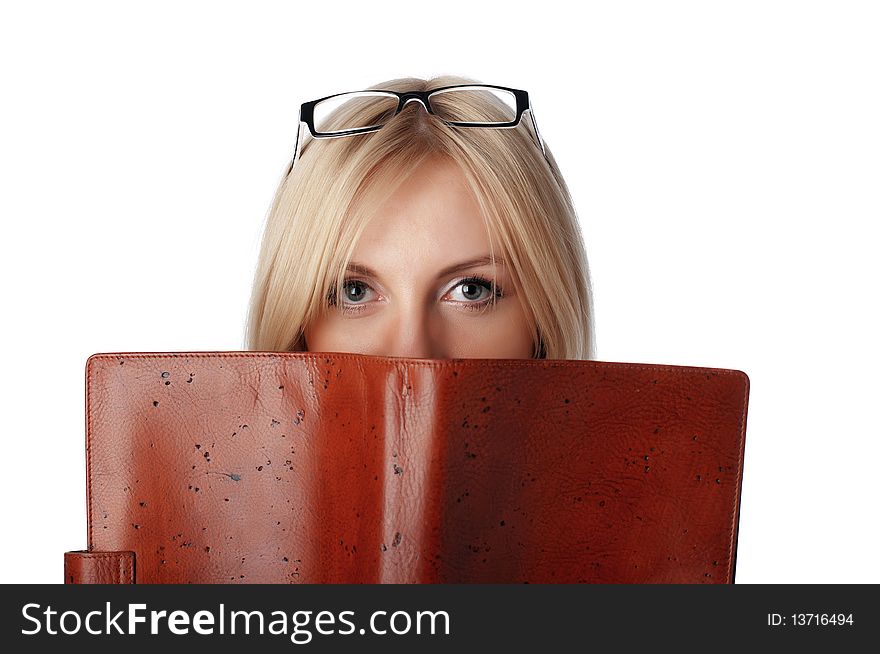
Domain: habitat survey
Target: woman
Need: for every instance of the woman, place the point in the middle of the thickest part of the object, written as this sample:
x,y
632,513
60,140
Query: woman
x,y
442,241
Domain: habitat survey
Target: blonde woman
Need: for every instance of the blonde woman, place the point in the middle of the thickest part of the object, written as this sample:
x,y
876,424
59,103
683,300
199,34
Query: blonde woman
x,y
397,232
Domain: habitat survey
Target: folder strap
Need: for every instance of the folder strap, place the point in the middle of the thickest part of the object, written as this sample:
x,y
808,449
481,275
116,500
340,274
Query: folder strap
x,y
84,567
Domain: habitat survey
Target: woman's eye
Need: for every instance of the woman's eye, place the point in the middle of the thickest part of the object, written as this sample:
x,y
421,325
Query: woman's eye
x,y
476,292
353,293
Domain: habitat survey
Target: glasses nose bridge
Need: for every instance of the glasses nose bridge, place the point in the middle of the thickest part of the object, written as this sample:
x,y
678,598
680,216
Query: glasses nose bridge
x,y
418,96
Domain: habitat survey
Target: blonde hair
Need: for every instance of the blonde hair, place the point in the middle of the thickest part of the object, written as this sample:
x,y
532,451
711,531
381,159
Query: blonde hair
x,y
322,207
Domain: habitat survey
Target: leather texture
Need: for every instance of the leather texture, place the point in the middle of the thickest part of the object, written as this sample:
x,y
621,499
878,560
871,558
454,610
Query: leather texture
x,y
99,567
306,467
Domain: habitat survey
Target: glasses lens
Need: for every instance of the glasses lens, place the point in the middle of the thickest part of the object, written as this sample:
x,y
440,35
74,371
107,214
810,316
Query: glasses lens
x,y
354,111
473,104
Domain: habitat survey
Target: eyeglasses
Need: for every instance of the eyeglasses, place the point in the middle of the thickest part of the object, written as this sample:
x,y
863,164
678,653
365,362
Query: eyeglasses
x,y
461,105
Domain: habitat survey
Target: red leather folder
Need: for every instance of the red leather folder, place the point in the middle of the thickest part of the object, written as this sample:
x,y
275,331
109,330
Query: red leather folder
x,y
309,467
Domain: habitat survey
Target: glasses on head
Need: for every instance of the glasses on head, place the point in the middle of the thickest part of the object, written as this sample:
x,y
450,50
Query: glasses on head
x,y
461,105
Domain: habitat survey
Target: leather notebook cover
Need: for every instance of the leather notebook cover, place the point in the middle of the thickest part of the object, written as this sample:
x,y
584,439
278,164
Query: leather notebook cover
x,y
305,467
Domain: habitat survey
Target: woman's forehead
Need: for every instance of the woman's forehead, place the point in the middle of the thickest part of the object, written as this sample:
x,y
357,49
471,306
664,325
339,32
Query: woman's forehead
x,y
430,222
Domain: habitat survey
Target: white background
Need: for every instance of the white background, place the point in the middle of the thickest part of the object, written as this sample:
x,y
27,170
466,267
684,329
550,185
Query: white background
x,y
724,159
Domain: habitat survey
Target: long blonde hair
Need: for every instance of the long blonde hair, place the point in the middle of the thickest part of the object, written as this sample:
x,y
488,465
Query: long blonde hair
x,y
321,208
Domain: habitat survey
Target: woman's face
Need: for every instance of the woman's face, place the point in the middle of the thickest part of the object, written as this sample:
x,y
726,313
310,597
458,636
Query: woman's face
x,y
413,288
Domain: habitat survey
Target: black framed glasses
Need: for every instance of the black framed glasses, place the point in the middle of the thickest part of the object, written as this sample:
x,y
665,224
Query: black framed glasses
x,y
461,105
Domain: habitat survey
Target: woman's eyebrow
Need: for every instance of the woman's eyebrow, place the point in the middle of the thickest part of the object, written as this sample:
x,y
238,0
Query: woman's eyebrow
x,y
463,265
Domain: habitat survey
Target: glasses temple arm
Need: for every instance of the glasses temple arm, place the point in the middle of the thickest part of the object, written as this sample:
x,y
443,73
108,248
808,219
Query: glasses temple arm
x,y
296,147
537,133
